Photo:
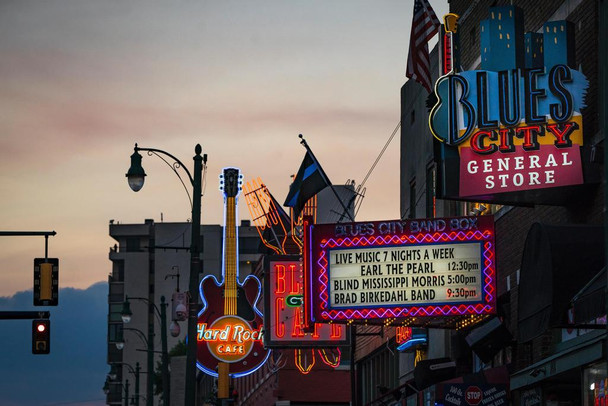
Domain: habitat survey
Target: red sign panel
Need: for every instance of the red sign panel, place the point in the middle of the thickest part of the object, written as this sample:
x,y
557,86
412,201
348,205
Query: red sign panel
x,y
473,395
554,161
284,311
401,268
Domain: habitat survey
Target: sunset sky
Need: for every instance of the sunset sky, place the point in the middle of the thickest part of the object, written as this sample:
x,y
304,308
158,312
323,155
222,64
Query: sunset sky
x,y
83,80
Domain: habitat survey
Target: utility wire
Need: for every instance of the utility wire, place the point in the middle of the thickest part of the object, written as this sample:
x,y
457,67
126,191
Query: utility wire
x,y
381,153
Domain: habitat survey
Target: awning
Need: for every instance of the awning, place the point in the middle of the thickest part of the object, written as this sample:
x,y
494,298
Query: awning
x,y
590,303
557,262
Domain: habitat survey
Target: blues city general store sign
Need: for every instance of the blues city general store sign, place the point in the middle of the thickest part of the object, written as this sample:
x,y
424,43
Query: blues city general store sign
x,y
515,124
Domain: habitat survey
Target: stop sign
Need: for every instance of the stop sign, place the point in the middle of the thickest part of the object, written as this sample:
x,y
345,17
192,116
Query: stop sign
x,y
473,395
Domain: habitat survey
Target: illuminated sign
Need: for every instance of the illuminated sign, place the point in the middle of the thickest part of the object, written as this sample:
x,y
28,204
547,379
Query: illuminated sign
x,y
230,338
284,310
402,268
230,325
514,125
409,337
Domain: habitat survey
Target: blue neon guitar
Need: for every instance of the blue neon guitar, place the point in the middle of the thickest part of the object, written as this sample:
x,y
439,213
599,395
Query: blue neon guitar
x,y
230,327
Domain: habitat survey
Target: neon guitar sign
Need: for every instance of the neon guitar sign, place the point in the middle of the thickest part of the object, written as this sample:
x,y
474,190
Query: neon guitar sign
x,y
230,327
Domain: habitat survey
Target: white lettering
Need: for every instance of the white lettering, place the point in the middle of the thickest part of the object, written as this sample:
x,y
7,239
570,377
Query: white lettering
x,y
490,182
472,167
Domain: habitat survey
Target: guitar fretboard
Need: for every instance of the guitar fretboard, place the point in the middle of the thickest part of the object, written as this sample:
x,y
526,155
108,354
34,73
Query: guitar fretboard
x,y
230,258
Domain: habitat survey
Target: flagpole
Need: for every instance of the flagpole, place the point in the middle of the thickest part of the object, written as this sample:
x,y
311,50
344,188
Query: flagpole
x,y
303,142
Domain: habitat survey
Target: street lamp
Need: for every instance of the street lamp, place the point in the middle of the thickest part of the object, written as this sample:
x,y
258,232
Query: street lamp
x,y
135,176
126,314
149,342
106,389
114,374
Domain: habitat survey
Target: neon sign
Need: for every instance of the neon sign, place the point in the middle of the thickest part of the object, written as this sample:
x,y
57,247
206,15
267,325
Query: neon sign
x,y
409,337
230,326
229,338
396,269
516,124
285,316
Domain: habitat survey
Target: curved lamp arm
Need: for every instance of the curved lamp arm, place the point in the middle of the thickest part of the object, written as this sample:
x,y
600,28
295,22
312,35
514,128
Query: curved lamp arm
x,y
139,332
177,164
126,307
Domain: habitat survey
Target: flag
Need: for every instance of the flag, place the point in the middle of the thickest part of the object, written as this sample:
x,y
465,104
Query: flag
x,y
309,181
425,24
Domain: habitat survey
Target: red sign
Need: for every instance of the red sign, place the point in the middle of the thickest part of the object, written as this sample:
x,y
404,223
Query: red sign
x,y
492,163
285,311
473,395
403,334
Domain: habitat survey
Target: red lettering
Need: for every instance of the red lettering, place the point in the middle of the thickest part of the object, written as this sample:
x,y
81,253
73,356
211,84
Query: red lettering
x,y
403,334
279,325
506,140
298,330
336,331
315,333
296,286
281,284
562,133
530,136
477,142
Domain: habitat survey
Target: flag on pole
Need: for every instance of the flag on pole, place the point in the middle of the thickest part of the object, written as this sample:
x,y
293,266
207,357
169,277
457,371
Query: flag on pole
x,y
309,181
425,24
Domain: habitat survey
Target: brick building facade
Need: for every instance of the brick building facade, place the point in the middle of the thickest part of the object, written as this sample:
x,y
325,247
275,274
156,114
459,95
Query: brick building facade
x,y
564,364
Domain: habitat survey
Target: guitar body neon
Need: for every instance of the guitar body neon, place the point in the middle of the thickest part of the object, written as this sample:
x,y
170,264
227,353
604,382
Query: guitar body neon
x,y
230,327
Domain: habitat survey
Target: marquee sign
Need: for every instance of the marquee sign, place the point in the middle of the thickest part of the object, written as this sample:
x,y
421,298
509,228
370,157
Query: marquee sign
x,y
516,124
284,309
402,268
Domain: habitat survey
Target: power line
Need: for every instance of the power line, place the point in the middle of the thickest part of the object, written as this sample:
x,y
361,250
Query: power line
x,y
381,153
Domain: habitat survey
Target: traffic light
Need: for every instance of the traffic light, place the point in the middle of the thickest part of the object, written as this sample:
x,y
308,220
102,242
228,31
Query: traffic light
x,y
41,336
46,281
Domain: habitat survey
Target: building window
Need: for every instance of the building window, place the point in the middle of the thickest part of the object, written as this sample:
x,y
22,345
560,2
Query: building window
x,y
431,174
115,332
249,245
115,311
117,292
412,199
472,38
133,244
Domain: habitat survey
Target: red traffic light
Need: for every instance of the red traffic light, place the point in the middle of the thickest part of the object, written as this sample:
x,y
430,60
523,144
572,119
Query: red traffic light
x,y
41,336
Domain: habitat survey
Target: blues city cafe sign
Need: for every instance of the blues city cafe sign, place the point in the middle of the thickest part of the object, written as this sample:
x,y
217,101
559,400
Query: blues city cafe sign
x,y
284,309
516,124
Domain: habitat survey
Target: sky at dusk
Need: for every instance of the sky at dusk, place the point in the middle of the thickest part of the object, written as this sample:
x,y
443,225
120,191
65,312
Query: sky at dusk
x,y
83,80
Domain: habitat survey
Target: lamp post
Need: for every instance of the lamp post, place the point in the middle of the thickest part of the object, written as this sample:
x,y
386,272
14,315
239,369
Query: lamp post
x,y
136,176
106,389
135,371
162,313
150,350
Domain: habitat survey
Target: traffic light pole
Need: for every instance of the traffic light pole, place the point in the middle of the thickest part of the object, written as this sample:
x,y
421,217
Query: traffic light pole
x,y
19,315
31,234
